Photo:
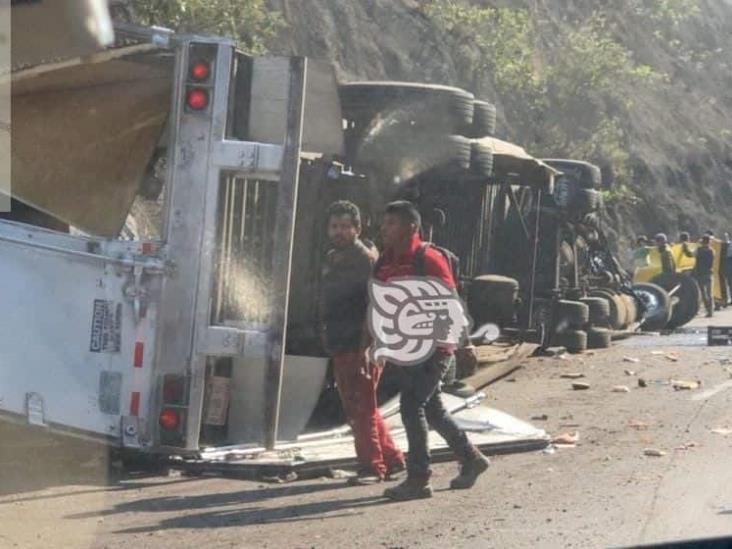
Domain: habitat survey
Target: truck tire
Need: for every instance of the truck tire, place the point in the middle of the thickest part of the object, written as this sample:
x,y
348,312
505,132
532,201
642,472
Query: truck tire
x,y
492,298
618,314
406,154
631,309
657,304
586,175
598,338
599,310
575,341
586,201
688,298
443,108
571,314
484,120
481,159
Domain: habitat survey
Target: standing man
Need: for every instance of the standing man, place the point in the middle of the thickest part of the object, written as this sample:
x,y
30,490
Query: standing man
x,y
685,239
668,265
421,403
703,272
639,255
725,270
343,307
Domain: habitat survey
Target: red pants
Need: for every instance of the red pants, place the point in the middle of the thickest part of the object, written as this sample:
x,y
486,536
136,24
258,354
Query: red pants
x,y
375,448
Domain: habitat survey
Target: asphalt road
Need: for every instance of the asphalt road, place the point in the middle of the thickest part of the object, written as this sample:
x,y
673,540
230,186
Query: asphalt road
x,y
604,491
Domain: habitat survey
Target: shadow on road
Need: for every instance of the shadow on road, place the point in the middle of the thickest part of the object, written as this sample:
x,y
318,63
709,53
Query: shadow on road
x,y
223,518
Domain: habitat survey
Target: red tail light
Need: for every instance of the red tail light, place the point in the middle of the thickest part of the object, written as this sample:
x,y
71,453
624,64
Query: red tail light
x,y
200,71
197,99
169,419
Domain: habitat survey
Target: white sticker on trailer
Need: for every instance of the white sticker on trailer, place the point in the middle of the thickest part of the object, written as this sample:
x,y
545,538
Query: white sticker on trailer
x,y
106,328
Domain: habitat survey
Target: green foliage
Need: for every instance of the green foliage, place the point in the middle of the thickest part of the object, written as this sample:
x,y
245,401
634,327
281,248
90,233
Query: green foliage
x,y
564,100
249,22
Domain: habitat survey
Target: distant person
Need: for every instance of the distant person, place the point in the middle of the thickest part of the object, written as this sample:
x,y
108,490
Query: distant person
x,y
640,253
684,240
725,270
668,265
703,272
343,308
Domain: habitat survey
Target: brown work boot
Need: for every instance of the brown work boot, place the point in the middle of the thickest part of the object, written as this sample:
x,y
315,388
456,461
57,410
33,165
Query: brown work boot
x,y
469,473
411,488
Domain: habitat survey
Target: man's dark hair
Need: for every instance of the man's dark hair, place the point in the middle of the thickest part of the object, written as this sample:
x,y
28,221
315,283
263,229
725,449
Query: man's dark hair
x,y
641,239
345,207
684,237
710,232
406,211
706,239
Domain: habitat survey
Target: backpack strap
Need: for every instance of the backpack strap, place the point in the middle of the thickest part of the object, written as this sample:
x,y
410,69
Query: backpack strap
x,y
419,266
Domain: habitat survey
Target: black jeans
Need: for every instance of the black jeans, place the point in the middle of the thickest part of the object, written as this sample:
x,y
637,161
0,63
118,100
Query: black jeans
x,y
421,404
706,287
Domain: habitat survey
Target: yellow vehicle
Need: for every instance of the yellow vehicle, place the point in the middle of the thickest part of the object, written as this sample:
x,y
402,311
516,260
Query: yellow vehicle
x,y
683,289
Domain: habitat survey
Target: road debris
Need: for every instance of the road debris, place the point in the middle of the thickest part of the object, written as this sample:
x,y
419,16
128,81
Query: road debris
x,y
642,382
638,425
658,353
578,386
542,417
566,439
620,389
572,375
631,359
724,431
681,385
687,446
672,357
629,373
653,452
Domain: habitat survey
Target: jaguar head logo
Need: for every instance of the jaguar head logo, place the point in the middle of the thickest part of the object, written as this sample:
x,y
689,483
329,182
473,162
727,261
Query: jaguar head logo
x,y
410,317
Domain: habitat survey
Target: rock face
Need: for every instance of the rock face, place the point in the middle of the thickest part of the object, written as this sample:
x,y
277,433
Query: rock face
x,y
679,134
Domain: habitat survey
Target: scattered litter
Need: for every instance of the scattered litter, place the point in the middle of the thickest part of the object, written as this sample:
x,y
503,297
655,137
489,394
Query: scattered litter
x,y
629,373
577,386
672,357
542,417
567,439
279,479
653,452
642,382
680,385
724,360
620,389
639,425
657,353
687,446
511,380
549,450
631,359
339,473
724,431
572,375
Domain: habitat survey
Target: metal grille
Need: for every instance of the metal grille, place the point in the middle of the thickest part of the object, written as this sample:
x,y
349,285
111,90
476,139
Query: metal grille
x,y
244,253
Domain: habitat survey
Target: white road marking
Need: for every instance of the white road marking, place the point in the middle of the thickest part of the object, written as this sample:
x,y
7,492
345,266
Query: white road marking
x,y
712,391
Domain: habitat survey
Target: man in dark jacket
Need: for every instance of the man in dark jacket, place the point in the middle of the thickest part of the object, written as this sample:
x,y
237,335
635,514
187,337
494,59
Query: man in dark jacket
x,y
421,403
703,272
343,307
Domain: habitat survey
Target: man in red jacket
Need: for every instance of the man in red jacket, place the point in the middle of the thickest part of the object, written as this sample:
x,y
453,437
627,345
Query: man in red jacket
x,y
421,403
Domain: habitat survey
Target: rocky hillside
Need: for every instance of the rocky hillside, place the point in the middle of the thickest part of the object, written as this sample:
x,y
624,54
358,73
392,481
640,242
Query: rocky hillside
x,y
676,128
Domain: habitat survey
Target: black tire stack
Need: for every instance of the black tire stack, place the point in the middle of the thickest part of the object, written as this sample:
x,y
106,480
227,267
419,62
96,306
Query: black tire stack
x,y
598,332
492,300
571,318
406,129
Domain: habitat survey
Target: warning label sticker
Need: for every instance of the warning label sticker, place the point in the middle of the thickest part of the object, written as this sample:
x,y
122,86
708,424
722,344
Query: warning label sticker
x,y
106,328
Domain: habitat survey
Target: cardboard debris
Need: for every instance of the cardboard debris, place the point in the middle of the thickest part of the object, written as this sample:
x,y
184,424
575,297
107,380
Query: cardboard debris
x,y
567,439
681,385
620,389
572,375
577,386
653,452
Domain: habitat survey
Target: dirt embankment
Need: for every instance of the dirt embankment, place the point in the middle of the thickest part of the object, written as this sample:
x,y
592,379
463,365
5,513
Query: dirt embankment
x,y
678,132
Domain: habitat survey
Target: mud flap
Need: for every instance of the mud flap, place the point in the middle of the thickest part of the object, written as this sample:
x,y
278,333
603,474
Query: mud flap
x,y
493,431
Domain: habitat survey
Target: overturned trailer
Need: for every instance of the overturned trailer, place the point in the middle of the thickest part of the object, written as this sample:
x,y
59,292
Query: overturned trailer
x,y
204,336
